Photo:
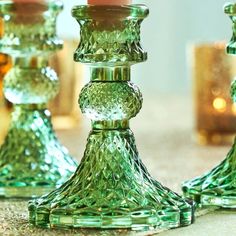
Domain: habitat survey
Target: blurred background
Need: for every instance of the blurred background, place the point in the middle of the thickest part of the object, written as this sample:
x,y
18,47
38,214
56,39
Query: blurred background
x,y
171,26
170,35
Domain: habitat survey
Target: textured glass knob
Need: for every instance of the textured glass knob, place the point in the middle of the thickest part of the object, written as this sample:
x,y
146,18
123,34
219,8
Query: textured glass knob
x,y
110,101
38,86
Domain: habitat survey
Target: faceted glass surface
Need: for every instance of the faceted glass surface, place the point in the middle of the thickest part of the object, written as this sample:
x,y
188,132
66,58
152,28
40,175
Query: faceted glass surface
x,y
32,161
217,187
111,187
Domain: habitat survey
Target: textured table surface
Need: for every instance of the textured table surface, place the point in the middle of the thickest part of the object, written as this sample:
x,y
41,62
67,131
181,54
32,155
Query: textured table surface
x,y
163,132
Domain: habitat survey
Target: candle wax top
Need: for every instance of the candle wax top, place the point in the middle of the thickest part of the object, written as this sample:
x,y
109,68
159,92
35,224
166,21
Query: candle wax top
x,y
29,1
109,2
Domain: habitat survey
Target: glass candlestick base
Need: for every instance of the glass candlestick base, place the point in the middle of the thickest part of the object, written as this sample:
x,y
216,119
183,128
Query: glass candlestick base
x,y
217,187
111,187
32,161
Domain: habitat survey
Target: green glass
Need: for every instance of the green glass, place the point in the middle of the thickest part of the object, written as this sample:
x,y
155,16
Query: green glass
x,y
217,187
111,187
32,161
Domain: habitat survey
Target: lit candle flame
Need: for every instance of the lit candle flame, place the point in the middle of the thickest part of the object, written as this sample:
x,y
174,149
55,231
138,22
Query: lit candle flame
x,y
219,104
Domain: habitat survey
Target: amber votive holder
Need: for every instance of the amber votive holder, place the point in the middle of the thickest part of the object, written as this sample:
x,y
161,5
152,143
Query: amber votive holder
x,y
215,114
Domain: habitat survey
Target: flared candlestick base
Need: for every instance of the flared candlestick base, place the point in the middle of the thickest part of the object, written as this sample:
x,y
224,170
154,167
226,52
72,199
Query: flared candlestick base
x,y
32,161
216,187
111,189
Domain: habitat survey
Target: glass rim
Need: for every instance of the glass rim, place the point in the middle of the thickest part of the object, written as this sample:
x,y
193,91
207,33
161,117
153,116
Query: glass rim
x,y
135,11
230,9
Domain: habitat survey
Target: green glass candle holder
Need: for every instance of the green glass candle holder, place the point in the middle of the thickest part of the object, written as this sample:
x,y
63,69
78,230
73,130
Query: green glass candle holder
x,y
111,187
32,161
217,187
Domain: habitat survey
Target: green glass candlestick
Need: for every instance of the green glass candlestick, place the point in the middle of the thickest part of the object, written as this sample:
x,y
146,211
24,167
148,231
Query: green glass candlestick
x,y
217,187
32,161
111,187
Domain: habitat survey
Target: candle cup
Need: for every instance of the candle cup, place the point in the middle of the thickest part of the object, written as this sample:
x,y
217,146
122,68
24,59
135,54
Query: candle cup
x,y
217,187
111,187
213,72
32,161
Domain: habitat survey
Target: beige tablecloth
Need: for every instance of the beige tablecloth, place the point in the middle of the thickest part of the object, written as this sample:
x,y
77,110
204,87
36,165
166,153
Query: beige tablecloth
x,y
163,131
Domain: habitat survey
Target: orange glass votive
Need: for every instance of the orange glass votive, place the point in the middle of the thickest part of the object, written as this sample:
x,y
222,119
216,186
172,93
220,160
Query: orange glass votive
x,y
215,114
